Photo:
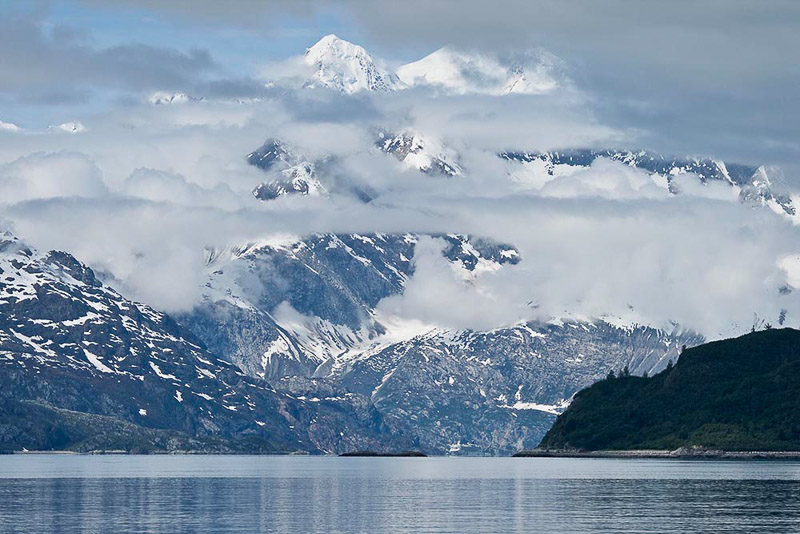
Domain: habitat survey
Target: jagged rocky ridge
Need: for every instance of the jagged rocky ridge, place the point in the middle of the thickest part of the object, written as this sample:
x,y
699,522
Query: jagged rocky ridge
x,y
292,174
756,185
426,155
298,179
300,317
323,289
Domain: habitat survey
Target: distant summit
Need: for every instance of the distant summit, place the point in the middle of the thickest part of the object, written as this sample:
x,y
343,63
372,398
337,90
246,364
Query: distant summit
x,y
164,98
462,73
424,154
347,68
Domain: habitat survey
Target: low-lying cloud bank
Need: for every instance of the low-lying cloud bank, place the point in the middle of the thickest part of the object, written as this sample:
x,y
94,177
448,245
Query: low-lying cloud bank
x,y
143,191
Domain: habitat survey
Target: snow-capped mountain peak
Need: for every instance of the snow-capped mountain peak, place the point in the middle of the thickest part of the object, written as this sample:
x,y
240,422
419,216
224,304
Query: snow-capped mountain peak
x,y
425,154
347,67
334,63
164,98
272,154
463,73
530,80
767,187
299,179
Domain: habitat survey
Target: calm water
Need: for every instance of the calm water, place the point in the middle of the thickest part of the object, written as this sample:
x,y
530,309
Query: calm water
x,y
51,493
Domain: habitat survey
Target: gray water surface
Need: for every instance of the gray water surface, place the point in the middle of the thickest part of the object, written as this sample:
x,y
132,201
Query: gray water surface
x,y
65,493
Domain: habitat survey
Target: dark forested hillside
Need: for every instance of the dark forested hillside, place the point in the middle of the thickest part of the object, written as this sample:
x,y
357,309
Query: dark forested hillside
x,y
736,394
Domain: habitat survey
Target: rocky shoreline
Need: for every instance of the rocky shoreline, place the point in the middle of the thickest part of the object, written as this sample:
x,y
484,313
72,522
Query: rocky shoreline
x,y
685,453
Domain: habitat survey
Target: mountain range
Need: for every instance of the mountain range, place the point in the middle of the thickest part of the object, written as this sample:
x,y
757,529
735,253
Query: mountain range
x,y
290,348
86,369
314,304
292,173
303,313
294,344
83,368
298,319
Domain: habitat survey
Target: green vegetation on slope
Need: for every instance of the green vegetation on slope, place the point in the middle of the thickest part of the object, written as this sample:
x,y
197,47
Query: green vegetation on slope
x,y
736,394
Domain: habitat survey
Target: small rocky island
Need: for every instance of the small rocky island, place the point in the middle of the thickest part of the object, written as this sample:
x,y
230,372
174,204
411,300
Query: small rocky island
x,y
375,454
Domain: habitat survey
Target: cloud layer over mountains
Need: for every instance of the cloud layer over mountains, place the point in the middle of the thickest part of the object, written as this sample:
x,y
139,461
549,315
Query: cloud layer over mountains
x,y
144,190
706,77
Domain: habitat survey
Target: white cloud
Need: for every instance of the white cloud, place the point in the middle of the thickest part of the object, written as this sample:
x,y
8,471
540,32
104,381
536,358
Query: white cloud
x,y
9,127
791,267
161,186
441,295
690,184
40,176
70,127
605,179
152,186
